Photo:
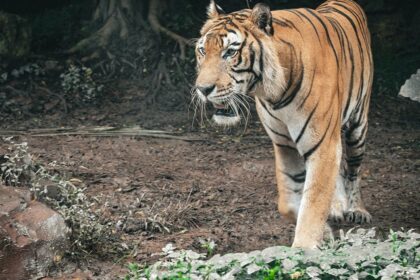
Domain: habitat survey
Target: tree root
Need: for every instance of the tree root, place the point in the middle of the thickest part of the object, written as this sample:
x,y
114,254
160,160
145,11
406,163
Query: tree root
x,y
61,98
116,25
153,17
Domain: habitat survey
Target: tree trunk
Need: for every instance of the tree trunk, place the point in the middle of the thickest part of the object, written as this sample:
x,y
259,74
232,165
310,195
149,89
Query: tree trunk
x,y
116,20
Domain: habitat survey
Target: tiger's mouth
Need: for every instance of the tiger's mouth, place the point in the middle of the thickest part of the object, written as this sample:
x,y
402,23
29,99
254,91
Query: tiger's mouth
x,y
223,109
225,115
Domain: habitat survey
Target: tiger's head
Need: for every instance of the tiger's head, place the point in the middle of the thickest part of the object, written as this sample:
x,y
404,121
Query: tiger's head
x,y
233,58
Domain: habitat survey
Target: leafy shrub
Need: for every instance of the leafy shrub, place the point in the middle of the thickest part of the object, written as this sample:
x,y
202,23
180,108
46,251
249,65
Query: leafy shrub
x,y
31,69
78,81
88,233
356,255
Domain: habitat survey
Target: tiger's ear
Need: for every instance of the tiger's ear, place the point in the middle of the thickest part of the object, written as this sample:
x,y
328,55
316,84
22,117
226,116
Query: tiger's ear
x,y
262,18
214,10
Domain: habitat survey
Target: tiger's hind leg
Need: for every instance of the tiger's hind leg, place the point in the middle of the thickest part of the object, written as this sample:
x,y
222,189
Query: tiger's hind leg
x,y
355,148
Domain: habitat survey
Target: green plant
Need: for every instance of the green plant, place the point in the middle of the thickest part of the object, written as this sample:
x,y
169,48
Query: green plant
x,y
209,245
357,255
79,82
270,273
16,167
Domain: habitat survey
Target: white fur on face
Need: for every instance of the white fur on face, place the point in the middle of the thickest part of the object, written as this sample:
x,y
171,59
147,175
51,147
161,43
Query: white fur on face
x,y
226,121
232,38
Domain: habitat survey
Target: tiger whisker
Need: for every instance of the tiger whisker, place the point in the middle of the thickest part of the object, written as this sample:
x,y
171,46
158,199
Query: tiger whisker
x,y
243,103
194,102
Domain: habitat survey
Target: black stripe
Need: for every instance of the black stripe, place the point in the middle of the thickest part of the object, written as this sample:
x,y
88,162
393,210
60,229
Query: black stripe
x,y
261,57
359,21
335,25
350,93
297,178
292,90
306,124
285,146
309,91
268,111
281,23
353,143
326,32
233,24
355,29
231,31
314,27
236,80
250,68
254,82
358,41
314,148
277,133
240,50
355,161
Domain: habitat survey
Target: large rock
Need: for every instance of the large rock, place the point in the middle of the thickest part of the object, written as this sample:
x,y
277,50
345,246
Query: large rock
x,y
32,236
411,88
15,39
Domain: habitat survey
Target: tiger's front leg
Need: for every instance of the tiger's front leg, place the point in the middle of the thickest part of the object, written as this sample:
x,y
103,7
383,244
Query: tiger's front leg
x,y
290,174
322,167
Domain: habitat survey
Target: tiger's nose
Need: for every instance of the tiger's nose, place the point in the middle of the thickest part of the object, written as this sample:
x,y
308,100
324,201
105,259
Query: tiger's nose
x,y
207,89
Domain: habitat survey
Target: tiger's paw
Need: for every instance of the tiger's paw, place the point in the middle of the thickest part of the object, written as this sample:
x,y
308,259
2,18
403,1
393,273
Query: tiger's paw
x,y
336,213
358,216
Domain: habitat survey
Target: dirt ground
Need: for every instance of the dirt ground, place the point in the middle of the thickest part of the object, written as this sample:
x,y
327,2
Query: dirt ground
x,y
220,187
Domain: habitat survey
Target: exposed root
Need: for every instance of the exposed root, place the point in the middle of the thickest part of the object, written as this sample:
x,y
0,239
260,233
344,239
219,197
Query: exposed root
x,y
116,25
153,17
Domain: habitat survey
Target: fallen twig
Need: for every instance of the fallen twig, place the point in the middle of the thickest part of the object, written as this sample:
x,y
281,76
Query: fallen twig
x,y
100,132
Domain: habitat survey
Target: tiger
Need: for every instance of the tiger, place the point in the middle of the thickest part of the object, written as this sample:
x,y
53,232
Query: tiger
x,y
310,72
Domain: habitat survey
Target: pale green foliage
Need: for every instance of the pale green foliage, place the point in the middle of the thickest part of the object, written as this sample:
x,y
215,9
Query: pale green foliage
x,y
17,167
78,81
209,245
356,255
31,69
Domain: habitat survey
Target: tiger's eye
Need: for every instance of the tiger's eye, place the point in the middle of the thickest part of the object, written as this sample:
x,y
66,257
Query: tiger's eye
x,y
229,53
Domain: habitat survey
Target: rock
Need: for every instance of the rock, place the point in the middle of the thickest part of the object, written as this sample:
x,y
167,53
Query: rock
x,y
16,35
411,88
32,236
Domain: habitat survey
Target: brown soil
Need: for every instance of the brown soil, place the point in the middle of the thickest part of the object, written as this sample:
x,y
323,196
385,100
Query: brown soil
x,y
223,186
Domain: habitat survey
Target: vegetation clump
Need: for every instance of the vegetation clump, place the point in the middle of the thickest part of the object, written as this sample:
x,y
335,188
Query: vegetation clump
x,y
89,233
357,254
78,82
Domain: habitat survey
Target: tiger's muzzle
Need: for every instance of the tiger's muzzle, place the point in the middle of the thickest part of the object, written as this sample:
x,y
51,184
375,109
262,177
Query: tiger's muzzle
x,y
226,112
